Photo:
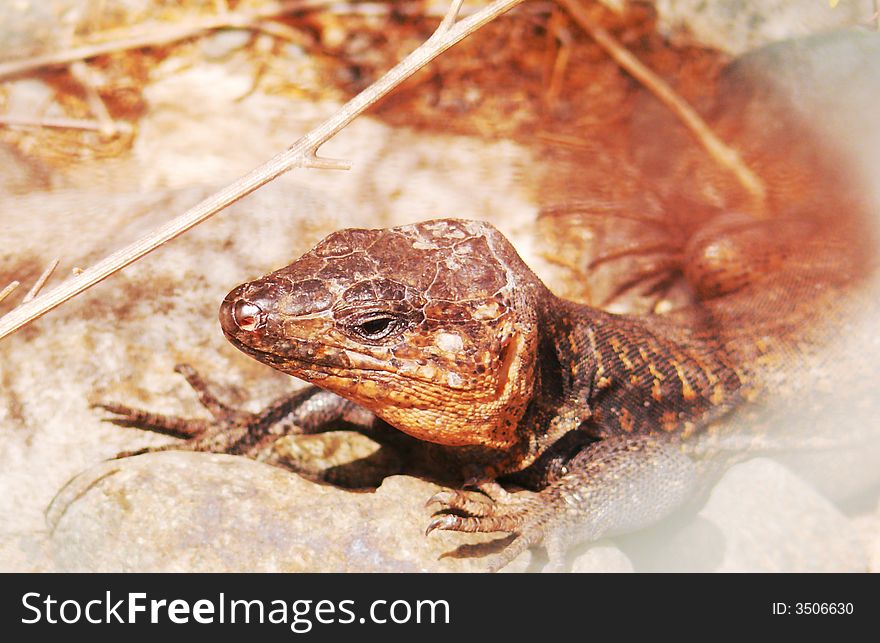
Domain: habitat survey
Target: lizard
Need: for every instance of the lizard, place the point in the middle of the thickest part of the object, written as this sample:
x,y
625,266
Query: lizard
x,y
440,330
571,423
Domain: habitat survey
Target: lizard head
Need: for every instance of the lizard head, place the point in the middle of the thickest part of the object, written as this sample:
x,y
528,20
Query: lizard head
x,y
431,326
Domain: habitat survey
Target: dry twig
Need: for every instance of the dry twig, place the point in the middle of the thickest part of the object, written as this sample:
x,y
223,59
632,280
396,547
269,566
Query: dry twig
x,y
561,55
81,72
303,153
162,33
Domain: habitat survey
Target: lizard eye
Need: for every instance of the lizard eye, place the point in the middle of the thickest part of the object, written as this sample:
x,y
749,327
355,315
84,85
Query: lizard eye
x,y
377,326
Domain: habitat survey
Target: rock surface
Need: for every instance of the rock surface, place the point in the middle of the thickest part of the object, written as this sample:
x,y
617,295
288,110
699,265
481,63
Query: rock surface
x,y
739,26
177,511
207,512
759,517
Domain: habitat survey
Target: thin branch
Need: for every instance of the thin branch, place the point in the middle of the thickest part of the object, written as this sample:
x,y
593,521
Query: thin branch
x,y
448,20
8,290
723,154
302,152
284,32
557,32
40,282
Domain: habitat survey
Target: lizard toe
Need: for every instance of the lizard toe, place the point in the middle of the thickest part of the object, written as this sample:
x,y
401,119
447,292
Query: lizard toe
x,y
516,546
508,514
532,531
460,502
473,524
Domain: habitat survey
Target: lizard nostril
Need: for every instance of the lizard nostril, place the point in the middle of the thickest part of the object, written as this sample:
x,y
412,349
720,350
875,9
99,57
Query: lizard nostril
x,y
247,316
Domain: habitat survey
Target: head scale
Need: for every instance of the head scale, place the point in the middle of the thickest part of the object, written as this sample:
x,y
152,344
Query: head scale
x,y
431,326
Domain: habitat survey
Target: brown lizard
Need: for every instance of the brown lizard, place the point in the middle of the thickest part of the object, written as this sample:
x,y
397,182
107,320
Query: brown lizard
x,y
438,338
440,330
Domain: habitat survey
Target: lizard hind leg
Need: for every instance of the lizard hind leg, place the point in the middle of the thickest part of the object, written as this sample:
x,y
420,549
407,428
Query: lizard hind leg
x,y
735,250
632,254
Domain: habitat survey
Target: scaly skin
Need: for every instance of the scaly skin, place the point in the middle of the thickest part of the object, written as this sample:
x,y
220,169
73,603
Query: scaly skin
x,y
440,330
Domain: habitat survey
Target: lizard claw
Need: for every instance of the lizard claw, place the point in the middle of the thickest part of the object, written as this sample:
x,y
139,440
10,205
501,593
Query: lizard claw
x,y
167,424
440,522
441,498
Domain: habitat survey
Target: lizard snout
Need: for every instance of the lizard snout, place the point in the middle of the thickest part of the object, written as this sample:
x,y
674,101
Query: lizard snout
x,y
242,313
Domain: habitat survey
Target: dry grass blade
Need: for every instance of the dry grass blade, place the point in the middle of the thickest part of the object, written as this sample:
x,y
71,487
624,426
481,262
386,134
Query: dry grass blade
x,y
40,282
9,289
88,124
157,34
301,154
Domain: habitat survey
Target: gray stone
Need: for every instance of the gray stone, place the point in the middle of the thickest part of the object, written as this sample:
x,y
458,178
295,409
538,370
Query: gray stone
x,y
758,517
178,511
738,26
602,557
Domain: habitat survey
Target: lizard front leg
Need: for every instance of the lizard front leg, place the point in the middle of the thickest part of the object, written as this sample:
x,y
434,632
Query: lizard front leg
x,y
610,487
307,411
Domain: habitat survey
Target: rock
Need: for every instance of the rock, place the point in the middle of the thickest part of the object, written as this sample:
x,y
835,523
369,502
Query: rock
x,y
180,511
602,557
774,521
759,517
738,26
25,552
868,526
